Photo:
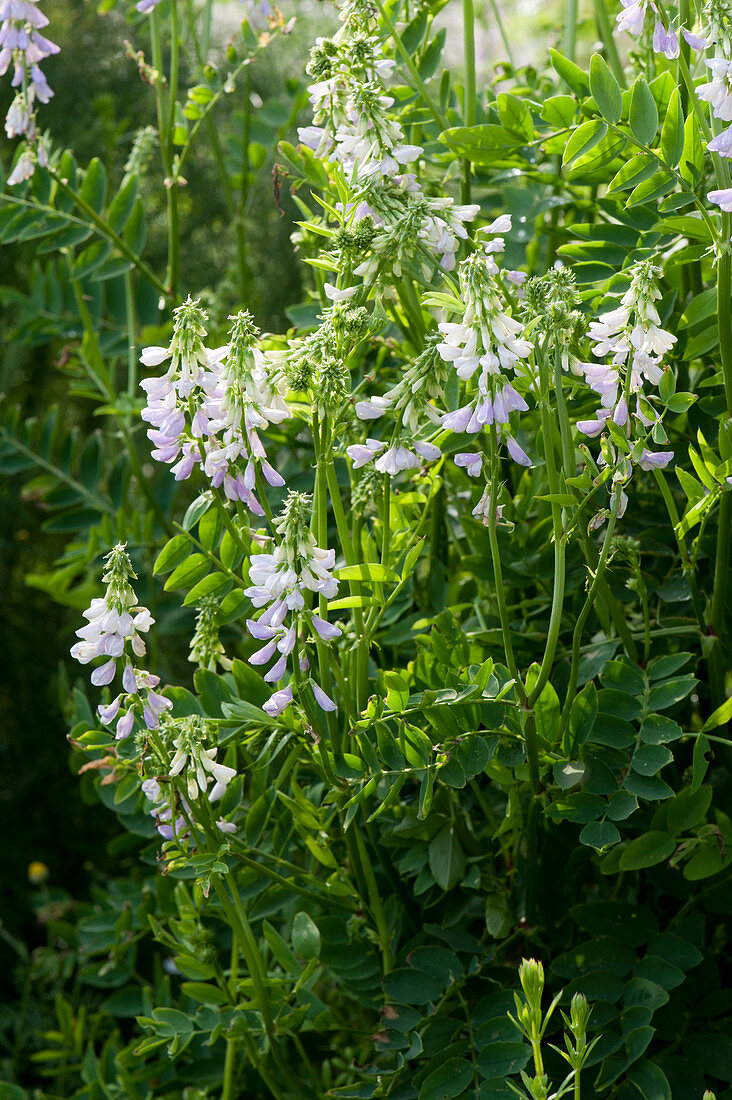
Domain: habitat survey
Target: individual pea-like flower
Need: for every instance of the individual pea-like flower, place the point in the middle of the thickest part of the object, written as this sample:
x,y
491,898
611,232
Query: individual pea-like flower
x,y
632,16
722,199
665,41
279,583
486,349
114,629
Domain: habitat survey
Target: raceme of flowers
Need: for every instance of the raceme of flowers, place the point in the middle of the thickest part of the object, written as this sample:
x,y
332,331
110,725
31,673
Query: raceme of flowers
x,y
114,629
632,336
209,406
279,583
184,743
487,349
354,128
632,19
23,47
411,406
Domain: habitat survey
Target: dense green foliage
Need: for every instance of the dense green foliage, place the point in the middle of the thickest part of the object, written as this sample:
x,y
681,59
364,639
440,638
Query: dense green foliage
x,y
514,743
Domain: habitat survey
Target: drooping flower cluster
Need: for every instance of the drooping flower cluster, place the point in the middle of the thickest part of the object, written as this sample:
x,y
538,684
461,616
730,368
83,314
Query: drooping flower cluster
x,y
355,129
632,19
183,748
632,338
209,407
486,348
410,406
114,631
279,583
23,47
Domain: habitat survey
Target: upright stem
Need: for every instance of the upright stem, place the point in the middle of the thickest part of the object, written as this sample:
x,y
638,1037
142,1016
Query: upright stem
x,y
605,31
227,1089
241,236
469,105
555,619
166,134
498,573
248,946
570,28
582,619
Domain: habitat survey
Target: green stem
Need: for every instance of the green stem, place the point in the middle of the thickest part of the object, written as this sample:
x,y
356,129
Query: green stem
x,y
227,1090
241,237
570,29
605,31
164,113
375,904
355,589
504,37
579,627
469,104
498,573
555,618
232,906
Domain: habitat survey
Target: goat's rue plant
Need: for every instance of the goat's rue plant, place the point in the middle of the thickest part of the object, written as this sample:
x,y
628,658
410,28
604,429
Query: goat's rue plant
x,y
457,545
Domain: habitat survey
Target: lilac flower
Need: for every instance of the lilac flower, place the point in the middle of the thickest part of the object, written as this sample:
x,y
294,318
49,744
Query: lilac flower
x,y
472,463
696,41
210,406
115,624
655,460
24,47
197,764
163,809
723,199
722,144
718,91
354,126
243,404
485,347
279,582
632,17
632,337
665,41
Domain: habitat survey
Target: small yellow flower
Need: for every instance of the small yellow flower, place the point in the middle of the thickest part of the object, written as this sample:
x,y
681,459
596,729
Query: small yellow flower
x,y
37,873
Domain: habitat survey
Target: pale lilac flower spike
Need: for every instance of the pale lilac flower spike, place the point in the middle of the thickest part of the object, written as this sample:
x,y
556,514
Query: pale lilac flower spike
x,y
278,584
114,630
486,348
24,47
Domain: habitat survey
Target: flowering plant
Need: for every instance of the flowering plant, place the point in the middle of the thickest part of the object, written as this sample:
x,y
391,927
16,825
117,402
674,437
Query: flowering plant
x,y
458,547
